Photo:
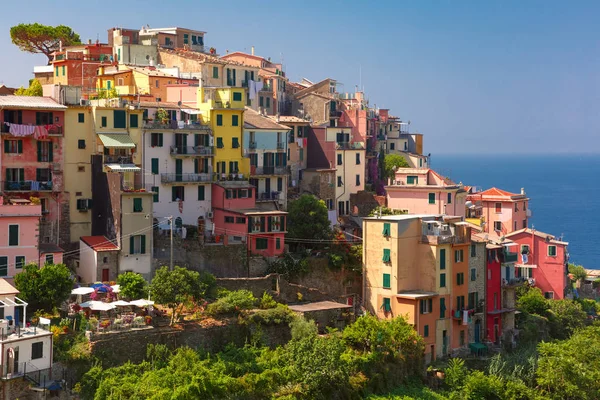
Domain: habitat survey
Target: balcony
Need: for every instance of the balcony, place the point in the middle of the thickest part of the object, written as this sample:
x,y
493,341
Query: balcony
x,y
53,130
252,146
267,88
174,124
510,257
185,178
268,170
28,186
114,159
267,196
349,146
513,282
192,151
231,177
334,114
280,146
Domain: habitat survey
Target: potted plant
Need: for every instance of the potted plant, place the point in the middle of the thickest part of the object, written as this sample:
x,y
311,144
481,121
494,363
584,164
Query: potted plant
x,y
162,115
213,50
148,320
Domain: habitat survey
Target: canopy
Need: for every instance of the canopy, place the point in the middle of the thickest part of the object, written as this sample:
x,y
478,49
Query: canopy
x,y
88,304
123,167
116,140
101,306
82,290
142,303
190,111
121,303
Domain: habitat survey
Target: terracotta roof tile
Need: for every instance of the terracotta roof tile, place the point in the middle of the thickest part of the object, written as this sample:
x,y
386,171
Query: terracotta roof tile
x,y
99,243
497,192
252,119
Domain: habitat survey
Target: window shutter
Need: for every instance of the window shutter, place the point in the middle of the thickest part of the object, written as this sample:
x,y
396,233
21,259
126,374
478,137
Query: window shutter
x,y
50,152
160,140
386,281
262,224
137,205
39,151
38,175
421,306
131,244
143,244
21,174
473,274
197,140
442,307
458,279
173,193
200,192
227,194
269,223
155,166
196,161
426,331
442,280
386,229
234,191
430,302
443,259
6,146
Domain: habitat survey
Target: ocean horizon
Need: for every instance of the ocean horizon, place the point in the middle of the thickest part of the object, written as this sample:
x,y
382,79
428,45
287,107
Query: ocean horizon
x,y
562,188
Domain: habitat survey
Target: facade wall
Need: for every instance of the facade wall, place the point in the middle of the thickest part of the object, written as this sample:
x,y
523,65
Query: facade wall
x,y
88,263
494,296
136,224
321,183
297,152
416,200
507,216
136,54
27,217
107,260
226,133
24,346
477,262
462,289
348,173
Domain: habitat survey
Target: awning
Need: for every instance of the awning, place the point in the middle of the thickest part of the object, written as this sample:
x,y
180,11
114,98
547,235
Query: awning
x,y
190,111
116,140
123,167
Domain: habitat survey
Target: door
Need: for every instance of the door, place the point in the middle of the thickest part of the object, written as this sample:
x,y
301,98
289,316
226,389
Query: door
x,y
181,143
105,275
18,314
477,331
178,170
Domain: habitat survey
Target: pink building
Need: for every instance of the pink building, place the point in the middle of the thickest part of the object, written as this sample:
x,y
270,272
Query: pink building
x,y
237,219
19,227
424,191
498,211
544,258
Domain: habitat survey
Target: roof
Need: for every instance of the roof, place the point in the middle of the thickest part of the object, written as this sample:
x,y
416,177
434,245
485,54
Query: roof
x,y
154,104
116,140
500,194
240,53
401,217
150,72
50,248
288,119
551,238
201,57
30,102
252,119
7,288
99,243
318,306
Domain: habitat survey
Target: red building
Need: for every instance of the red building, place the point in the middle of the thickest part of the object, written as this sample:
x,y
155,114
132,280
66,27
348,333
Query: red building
x,y
238,219
32,159
543,258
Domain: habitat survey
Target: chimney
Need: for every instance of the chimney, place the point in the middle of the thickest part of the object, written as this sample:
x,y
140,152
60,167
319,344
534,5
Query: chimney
x,y
60,46
252,50
523,191
89,41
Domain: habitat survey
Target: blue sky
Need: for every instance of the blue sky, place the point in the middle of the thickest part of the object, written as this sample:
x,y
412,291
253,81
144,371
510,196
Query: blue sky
x,y
474,77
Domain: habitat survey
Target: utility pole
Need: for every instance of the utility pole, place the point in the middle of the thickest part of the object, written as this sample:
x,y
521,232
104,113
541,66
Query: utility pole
x,y
171,223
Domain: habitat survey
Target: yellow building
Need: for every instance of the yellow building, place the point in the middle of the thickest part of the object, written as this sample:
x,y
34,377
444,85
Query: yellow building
x,y
223,110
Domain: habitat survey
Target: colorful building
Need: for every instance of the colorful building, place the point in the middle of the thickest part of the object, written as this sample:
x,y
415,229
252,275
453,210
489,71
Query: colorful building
x,y
416,265
317,102
498,211
19,235
239,219
423,191
32,159
544,259
297,147
98,260
477,287
266,144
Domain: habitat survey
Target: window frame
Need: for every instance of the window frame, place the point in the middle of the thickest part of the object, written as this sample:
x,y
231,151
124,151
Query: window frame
x,y
37,350
18,241
431,197
552,246
387,281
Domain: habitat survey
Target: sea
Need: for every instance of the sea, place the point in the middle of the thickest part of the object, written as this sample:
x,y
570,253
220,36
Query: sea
x,y
564,192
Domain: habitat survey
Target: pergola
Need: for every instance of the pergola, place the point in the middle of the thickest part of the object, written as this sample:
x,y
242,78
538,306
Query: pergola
x,y
7,302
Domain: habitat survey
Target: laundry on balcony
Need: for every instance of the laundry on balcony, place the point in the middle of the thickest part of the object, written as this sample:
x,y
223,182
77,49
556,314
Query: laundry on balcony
x,y
20,130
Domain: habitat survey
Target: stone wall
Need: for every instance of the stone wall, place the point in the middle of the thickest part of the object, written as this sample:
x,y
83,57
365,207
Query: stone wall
x,y
320,183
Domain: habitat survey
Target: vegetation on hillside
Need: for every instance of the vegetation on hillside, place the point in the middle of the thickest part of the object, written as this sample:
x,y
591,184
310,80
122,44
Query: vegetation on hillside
x,y
391,163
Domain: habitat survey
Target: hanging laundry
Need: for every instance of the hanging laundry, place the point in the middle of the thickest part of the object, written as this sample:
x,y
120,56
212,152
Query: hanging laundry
x,y
304,142
20,130
299,141
40,132
35,186
465,317
252,90
524,258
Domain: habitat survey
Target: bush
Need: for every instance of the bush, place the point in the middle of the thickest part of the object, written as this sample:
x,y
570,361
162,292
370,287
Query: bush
x,y
303,328
232,303
267,301
533,302
456,373
272,316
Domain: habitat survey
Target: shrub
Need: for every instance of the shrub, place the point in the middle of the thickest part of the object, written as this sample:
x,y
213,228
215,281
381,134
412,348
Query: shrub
x,y
456,373
302,328
272,316
232,303
267,301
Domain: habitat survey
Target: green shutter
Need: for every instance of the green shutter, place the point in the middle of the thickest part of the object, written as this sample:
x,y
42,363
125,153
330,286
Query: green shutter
x,y
50,152
220,144
81,117
6,146
133,121
443,280
386,281
155,166
137,205
386,229
386,255
201,192
219,120
104,122
215,72
174,193
234,120
143,244
277,243
458,279
421,306
442,307
120,119
473,274
160,140
13,235
430,303
431,198
155,195
426,331
269,223
39,151
442,258
131,244
262,224
387,307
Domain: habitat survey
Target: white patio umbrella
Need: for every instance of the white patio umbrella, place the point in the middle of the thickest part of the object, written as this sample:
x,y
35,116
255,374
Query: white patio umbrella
x,y
82,290
88,304
121,303
142,303
116,288
101,306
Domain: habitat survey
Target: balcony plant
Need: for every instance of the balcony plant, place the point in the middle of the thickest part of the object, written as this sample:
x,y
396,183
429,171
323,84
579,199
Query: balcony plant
x,y
162,116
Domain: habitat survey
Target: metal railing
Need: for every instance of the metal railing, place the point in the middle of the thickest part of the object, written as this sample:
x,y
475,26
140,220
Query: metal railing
x,y
114,159
192,150
349,146
269,170
267,196
252,145
266,88
35,186
175,124
185,178
280,145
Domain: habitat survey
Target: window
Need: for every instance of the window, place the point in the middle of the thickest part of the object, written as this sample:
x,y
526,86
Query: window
x,y
473,250
81,144
233,167
442,258
443,279
44,151
412,180
243,194
339,159
155,194
515,226
257,224
215,74
277,243
473,300
240,220
154,163
260,101
229,220
137,204
84,204
386,229
177,193
235,120
473,274
386,256
268,102
43,118
426,331
201,194
392,146
43,175
498,207
458,256
425,306
104,122
219,119
431,198
552,251
329,203
157,83
262,244
81,118
275,224
460,302
120,119
462,337
524,249
63,70
357,158
357,180
524,223
516,207
13,146
549,295
3,266
133,120
156,139
237,96
386,281
80,168
49,258
37,349
386,306
234,141
56,71
449,198
13,235
460,278
497,225
137,244
220,143
339,181
19,262
442,307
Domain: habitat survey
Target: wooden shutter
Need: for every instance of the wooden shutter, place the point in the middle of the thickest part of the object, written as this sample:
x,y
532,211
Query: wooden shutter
x,y
131,244
50,152
201,192
155,166
6,146
39,151
262,224
143,244
160,140
269,223
173,193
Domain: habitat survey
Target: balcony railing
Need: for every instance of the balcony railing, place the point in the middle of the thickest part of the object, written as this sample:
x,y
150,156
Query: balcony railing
x,y
174,124
266,88
113,159
192,150
510,257
267,196
513,282
335,114
268,170
25,186
219,176
280,146
252,145
185,178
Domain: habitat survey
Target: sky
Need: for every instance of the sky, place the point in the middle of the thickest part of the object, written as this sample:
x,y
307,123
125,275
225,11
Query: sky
x,y
472,76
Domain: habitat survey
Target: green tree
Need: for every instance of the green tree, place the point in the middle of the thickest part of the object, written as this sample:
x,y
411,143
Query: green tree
x,y
174,288
34,89
533,302
133,285
45,39
391,163
46,287
307,219
565,316
578,272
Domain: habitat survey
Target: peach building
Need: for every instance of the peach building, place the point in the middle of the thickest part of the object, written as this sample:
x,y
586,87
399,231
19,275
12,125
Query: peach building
x,y
424,191
19,235
498,211
416,266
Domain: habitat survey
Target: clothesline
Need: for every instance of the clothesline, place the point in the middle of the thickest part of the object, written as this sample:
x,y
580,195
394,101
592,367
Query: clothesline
x,y
38,131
